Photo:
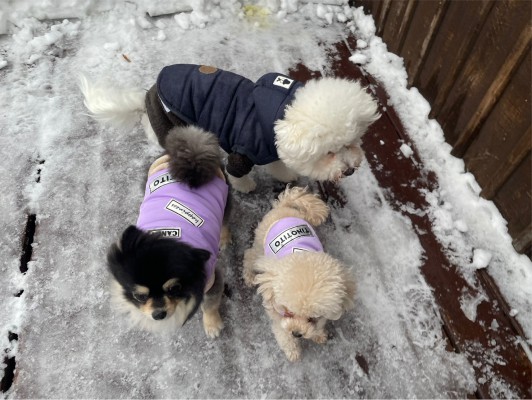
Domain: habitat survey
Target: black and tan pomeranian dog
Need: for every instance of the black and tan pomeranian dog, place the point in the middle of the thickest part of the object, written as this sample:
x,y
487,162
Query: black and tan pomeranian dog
x,y
164,267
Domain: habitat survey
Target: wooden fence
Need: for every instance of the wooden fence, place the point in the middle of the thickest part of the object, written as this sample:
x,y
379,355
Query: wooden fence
x,y
471,60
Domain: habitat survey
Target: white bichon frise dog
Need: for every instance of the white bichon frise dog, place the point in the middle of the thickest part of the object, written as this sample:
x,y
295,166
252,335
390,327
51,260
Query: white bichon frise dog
x,y
311,129
302,287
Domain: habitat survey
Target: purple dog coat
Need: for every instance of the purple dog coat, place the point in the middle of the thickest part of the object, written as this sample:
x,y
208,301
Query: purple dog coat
x,y
290,235
192,215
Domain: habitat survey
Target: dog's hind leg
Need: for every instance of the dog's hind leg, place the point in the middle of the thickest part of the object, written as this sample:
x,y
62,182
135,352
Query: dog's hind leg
x,y
250,257
225,237
212,321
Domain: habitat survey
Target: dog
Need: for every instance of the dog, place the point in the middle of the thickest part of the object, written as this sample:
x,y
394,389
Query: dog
x,y
165,267
302,286
295,129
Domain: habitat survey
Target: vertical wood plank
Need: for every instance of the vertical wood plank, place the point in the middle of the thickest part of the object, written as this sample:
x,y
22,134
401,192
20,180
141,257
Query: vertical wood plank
x,y
505,137
382,16
494,91
455,39
515,196
523,240
423,30
494,46
405,26
508,166
392,24
370,6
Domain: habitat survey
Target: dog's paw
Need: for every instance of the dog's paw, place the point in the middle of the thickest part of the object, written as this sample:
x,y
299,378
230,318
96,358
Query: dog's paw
x,y
321,338
212,324
293,354
249,277
245,184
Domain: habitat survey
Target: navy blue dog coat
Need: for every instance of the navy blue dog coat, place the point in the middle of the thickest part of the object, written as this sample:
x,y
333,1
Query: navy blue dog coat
x,y
239,112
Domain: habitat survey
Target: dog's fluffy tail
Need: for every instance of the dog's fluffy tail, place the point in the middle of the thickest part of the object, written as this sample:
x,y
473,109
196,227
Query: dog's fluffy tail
x,y
117,107
195,156
312,208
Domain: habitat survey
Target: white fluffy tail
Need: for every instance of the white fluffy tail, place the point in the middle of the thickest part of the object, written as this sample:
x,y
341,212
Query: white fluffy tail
x,y
314,209
116,107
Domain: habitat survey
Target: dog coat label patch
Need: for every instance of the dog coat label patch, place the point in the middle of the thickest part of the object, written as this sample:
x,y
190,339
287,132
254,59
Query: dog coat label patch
x,y
283,81
167,232
162,180
288,235
185,212
298,250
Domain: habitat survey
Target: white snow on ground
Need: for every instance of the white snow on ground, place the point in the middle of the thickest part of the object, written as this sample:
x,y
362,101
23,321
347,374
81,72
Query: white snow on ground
x,y
71,342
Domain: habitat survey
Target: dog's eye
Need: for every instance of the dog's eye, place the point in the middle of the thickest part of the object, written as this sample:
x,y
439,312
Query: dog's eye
x,y
174,290
312,320
141,297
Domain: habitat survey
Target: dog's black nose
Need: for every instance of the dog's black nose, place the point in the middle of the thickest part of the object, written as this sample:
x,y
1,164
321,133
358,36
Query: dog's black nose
x,y
297,334
159,314
349,171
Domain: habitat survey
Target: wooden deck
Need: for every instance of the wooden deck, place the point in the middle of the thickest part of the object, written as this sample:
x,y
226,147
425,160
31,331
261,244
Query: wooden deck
x,y
474,338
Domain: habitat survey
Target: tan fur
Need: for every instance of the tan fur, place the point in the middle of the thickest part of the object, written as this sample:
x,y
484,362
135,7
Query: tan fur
x,y
315,287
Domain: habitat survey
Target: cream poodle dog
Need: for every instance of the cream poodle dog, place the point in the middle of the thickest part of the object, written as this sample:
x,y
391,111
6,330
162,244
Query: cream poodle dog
x,y
311,129
302,286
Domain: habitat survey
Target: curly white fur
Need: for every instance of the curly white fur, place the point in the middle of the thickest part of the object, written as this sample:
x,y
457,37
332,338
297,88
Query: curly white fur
x,y
320,134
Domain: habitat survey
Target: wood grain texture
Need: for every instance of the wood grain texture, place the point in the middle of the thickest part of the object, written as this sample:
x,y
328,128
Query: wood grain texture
x,y
471,61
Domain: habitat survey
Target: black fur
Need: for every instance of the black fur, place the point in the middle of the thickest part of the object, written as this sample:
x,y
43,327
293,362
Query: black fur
x,y
150,260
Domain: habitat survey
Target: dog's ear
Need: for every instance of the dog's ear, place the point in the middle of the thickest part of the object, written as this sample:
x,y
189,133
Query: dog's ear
x,y
350,288
265,278
117,254
130,238
201,255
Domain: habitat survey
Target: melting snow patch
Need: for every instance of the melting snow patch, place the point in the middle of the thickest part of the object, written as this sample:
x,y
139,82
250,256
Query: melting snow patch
x,y
469,304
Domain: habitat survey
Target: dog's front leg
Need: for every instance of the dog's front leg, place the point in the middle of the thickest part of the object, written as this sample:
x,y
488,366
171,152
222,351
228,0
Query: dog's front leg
x,y
244,184
238,168
286,341
212,321
281,172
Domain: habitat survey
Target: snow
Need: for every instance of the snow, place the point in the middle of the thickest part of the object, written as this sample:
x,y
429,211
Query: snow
x,y
71,342
406,150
